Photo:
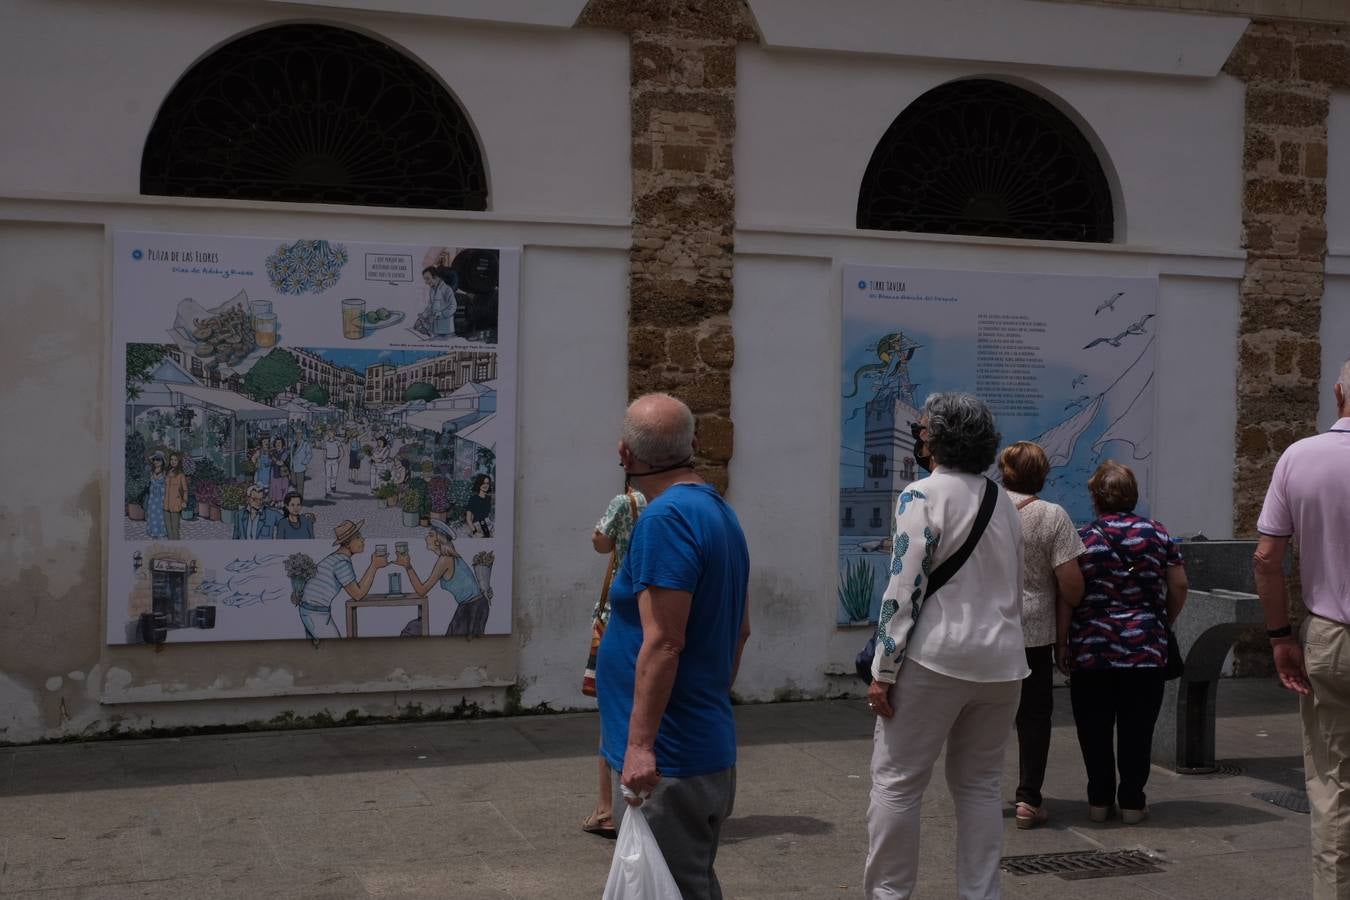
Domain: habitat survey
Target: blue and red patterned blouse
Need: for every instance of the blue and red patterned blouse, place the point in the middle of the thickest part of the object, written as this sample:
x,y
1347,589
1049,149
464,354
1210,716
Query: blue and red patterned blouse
x,y
1121,622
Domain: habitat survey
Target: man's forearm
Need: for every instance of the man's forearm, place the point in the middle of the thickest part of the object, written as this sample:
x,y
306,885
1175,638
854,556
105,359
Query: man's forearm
x,y
1268,569
654,679
1274,597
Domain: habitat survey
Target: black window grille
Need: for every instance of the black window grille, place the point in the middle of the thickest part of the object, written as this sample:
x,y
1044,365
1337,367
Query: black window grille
x,y
981,157
314,114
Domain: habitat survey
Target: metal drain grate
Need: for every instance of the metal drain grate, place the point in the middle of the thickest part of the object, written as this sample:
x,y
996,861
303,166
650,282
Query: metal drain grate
x,y
1226,770
1296,801
1081,864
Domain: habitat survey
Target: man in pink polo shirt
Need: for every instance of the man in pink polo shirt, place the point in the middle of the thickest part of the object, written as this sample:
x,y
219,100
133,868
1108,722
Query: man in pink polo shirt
x,y
1309,497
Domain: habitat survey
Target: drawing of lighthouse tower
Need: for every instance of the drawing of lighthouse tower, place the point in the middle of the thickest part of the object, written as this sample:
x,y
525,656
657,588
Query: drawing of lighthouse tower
x,y
888,445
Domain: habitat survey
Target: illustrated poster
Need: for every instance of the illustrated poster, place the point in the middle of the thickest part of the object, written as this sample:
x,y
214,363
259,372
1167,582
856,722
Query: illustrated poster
x,y
1065,361
312,439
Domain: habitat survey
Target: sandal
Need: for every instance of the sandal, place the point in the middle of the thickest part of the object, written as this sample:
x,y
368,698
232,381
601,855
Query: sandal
x,y
601,825
1028,816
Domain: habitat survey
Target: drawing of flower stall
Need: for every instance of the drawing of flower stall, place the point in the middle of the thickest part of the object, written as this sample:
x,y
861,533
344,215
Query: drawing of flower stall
x,y
169,408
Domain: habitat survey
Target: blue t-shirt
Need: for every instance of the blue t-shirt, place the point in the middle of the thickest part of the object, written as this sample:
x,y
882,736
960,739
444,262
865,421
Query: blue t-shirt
x,y
688,539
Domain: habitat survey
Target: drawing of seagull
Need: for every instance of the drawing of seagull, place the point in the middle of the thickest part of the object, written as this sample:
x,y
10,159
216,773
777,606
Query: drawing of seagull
x,y
1078,380
1077,401
1136,328
1109,304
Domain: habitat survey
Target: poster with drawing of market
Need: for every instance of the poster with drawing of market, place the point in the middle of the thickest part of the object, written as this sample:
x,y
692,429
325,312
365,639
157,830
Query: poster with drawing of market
x,y
1063,360
312,439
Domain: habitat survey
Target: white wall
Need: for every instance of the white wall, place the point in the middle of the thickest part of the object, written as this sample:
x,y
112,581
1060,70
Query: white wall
x,y
551,108
84,80
1336,297
82,84
807,124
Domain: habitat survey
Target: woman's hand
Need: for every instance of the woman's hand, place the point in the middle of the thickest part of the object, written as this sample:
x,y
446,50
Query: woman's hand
x,y
879,698
1062,658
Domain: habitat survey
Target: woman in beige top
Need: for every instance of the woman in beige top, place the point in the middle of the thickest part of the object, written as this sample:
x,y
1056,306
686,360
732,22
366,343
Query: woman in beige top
x,y
175,495
1051,548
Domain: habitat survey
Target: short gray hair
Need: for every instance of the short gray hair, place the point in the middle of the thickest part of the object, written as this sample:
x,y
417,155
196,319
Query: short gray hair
x,y
659,430
962,434
1344,380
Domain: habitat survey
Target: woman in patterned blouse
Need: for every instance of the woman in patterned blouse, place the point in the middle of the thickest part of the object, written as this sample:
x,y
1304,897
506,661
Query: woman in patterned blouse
x,y
949,665
1135,586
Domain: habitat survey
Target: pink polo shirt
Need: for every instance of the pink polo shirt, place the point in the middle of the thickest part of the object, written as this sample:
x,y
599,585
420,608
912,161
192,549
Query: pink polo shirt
x,y
1309,497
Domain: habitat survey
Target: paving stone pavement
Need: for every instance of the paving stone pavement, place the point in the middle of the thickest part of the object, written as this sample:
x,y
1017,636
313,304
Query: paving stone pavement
x,y
491,809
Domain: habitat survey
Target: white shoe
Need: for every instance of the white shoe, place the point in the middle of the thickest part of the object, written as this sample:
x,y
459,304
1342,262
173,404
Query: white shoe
x,y
1099,813
1133,816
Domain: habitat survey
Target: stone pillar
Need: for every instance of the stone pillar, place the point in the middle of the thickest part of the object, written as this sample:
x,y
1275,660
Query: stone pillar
x,y
683,96
1290,70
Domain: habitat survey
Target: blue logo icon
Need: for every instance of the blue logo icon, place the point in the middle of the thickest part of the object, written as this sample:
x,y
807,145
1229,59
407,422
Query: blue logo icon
x,y
136,254
862,285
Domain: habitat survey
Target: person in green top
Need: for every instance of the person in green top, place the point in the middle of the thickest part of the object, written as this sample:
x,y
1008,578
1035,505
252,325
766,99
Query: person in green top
x,y
612,535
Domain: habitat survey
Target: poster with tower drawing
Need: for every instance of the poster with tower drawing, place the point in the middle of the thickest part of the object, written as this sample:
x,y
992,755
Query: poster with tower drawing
x,y
1063,360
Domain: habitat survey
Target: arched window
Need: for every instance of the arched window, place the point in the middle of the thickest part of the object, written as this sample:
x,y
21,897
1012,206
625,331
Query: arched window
x,y
314,114
983,157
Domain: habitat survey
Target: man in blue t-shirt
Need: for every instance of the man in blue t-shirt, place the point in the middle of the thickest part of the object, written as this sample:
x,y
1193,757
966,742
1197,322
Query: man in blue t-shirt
x,y
678,622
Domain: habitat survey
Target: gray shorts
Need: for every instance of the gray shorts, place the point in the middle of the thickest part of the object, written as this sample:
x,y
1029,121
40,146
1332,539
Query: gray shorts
x,y
686,816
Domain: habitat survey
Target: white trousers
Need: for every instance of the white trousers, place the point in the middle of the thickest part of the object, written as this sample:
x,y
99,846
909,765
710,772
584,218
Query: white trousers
x,y
974,719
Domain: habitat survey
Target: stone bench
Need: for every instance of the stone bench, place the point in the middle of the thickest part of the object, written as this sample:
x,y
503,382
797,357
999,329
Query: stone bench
x,y
1221,604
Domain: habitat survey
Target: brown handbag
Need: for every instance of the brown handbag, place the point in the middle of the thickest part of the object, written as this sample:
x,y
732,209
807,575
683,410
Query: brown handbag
x,y
598,622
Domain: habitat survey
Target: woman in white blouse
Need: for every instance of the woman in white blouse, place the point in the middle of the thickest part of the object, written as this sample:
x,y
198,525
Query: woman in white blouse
x,y
1050,575
948,668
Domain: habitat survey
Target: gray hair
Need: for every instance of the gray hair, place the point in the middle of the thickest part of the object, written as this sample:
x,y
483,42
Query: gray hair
x,y
962,434
1344,380
255,489
659,430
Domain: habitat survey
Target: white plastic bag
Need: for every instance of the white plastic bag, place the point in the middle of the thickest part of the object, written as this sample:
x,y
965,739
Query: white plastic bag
x,y
639,871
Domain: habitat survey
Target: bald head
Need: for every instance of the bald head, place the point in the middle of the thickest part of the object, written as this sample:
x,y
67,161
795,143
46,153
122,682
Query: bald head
x,y
659,430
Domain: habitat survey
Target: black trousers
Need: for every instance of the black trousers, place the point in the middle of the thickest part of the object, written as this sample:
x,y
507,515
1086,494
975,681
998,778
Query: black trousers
x,y
1126,702
1033,724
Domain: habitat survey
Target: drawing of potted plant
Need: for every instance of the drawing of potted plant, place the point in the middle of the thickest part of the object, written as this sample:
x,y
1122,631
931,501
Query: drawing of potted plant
x,y
388,493
137,477
300,568
855,591
438,497
461,490
411,503
482,569
231,500
208,500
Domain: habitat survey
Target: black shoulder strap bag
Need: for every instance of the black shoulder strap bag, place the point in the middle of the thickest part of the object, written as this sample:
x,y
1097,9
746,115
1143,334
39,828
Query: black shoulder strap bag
x,y
941,575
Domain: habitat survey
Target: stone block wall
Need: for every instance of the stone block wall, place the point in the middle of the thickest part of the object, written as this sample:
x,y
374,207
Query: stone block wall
x,y
683,96
1290,70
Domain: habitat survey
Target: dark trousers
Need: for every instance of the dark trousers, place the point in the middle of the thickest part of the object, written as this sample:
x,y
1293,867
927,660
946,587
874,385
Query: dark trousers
x,y
1125,701
1033,724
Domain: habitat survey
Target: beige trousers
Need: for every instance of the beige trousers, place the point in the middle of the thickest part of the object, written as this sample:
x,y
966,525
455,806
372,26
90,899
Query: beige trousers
x,y
1326,753
974,719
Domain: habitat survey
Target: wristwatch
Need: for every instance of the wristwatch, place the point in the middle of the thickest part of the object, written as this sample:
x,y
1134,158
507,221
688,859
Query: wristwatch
x,y
1283,632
